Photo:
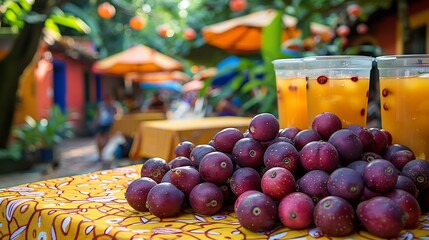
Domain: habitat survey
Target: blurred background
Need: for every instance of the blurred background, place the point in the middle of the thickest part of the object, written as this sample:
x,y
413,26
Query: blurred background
x,y
59,58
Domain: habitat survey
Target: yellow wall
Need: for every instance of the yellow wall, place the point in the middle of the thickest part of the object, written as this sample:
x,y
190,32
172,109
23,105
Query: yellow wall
x,y
27,95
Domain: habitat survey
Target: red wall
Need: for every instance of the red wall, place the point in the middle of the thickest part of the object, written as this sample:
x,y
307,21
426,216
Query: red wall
x,y
385,33
75,90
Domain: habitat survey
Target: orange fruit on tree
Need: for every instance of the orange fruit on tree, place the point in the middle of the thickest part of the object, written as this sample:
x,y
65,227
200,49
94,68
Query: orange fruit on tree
x,y
237,5
354,10
106,10
163,30
137,22
189,34
362,28
343,30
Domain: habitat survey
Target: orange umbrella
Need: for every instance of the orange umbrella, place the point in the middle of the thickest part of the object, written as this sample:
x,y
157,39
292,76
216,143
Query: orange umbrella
x,y
243,34
136,59
177,76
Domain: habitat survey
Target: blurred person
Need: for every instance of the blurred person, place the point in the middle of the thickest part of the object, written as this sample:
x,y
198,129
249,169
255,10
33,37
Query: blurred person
x,y
131,104
107,110
226,107
157,104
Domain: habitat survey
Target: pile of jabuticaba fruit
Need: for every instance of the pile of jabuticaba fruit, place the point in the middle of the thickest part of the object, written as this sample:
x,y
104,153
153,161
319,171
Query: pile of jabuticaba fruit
x,y
333,178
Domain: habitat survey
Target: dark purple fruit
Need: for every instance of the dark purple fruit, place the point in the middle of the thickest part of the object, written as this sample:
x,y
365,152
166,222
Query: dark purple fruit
x,y
326,124
165,200
380,175
206,198
180,162
199,152
283,155
306,136
248,152
211,143
369,156
380,141
289,132
418,171
368,194
348,145
334,216
408,203
406,184
364,135
155,168
400,158
225,139
382,217
279,139
264,127
346,183
314,184
166,177
358,166
136,193
228,196
278,182
184,149
388,136
319,156
216,167
243,196
391,149
245,179
257,212
296,210
185,178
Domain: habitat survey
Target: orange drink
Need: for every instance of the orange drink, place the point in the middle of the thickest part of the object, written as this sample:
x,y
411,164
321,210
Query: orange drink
x,y
404,102
291,93
340,85
345,97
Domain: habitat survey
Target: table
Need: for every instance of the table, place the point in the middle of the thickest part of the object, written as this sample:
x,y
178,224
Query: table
x,y
127,124
93,206
160,138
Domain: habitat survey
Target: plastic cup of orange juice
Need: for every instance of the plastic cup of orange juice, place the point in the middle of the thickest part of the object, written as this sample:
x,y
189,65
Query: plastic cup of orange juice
x,y
291,93
340,85
404,101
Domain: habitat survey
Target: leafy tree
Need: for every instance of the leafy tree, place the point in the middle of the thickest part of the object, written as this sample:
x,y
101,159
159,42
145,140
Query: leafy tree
x,y
28,21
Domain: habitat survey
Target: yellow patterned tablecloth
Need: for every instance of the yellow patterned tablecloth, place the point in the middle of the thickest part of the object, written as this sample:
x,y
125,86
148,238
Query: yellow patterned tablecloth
x,y
92,206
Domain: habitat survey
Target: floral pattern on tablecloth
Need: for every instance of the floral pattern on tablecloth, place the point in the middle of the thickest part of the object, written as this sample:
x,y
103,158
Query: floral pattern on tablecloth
x,y
93,206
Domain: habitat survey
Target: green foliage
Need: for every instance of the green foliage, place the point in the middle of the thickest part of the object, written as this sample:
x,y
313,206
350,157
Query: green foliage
x,y
13,152
18,12
45,132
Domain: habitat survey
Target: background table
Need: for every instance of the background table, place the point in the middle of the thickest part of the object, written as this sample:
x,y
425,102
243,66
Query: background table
x,y
129,123
93,206
160,138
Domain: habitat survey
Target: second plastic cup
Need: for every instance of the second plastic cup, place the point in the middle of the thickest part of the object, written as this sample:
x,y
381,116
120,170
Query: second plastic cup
x,y
291,93
404,84
340,85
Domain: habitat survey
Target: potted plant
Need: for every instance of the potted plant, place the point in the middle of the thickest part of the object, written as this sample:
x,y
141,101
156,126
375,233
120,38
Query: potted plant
x,y
44,135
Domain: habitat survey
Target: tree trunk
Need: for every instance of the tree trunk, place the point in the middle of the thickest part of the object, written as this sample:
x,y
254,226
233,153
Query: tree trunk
x,y
14,64
405,25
